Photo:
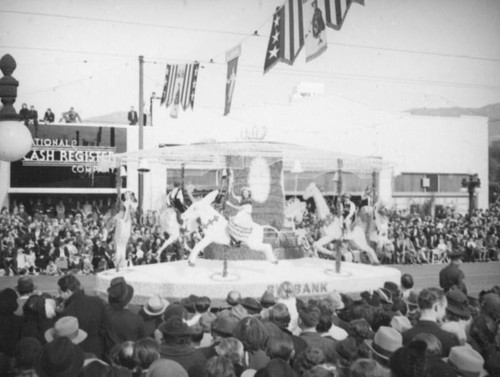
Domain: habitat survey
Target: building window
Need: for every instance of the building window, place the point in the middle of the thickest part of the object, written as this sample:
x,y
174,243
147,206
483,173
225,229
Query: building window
x,y
428,183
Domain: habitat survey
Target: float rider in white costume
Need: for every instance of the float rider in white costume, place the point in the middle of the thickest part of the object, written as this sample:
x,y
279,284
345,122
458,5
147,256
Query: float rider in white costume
x,y
348,214
124,220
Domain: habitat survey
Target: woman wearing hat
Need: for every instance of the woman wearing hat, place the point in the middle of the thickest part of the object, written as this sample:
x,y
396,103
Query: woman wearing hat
x,y
240,225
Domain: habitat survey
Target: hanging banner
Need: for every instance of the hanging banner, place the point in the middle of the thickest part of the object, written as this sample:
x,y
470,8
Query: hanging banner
x,y
336,11
315,28
232,67
287,34
180,85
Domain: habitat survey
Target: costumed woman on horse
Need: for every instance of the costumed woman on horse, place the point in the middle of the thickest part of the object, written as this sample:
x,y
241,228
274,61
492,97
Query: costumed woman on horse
x,y
241,225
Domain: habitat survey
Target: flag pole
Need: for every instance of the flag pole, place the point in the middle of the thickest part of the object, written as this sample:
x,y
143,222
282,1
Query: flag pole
x,y
141,128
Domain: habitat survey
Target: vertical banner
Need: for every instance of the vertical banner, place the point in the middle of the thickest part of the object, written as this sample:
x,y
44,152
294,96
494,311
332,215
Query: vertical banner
x,y
315,28
180,86
232,67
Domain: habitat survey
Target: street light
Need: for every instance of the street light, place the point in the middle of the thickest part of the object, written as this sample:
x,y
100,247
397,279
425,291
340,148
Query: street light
x,y
153,96
472,186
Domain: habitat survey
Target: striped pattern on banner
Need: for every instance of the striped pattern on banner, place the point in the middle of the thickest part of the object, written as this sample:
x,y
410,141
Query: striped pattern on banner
x,y
335,12
180,79
189,85
169,87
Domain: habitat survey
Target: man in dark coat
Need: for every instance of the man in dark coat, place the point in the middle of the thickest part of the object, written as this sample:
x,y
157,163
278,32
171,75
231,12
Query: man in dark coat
x,y
124,324
452,275
10,324
132,117
432,303
90,311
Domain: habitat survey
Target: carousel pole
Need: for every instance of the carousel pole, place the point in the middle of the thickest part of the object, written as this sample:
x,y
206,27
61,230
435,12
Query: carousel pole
x,y
338,255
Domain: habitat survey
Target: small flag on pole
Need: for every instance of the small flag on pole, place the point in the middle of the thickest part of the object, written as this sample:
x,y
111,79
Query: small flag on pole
x,y
287,34
232,67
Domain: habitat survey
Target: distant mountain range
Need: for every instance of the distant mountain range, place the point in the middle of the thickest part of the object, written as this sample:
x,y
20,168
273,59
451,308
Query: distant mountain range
x,y
118,117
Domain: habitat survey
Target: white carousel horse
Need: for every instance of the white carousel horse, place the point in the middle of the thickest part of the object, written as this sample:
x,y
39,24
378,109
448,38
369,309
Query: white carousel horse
x,y
294,213
331,227
215,229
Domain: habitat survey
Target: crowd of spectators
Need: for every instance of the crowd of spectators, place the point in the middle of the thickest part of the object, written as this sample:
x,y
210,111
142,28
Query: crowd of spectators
x,y
392,331
417,239
53,236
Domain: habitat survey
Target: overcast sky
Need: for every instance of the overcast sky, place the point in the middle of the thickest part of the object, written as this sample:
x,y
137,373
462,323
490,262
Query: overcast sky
x,y
390,55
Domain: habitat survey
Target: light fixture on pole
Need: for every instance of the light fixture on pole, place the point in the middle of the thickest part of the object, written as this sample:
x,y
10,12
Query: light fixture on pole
x,y
15,138
296,169
143,166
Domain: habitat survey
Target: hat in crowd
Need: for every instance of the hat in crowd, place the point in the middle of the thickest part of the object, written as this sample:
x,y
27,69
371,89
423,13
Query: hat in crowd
x,y
25,285
175,310
348,349
466,361
458,303
8,301
25,352
360,328
385,295
455,253
206,320
248,373
60,358
267,300
166,368
251,305
385,342
100,368
188,303
224,326
491,305
309,316
119,292
412,301
239,311
174,326
277,367
233,298
400,323
66,327
336,299
409,361
393,288
155,306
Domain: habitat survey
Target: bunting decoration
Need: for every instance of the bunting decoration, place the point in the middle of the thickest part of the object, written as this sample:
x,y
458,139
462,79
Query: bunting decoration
x,y
336,11
315,28
232,67
287,34
180,85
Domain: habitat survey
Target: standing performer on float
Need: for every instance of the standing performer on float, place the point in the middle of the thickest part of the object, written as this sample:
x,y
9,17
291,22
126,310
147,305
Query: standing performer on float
x,y
240,225
348,213
123,227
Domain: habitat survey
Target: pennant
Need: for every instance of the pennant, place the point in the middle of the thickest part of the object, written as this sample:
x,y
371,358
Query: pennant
x,y
315,28
180,85
232,67
287,34
336,11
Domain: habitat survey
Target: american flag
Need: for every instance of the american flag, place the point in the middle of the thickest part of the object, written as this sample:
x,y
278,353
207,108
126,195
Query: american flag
x,y
183,78
336,11
287,34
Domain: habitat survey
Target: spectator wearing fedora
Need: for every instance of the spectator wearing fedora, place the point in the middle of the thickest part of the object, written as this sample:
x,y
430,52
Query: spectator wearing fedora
x,y
484,330
432,304
252,306
467,362
90,312
10,324
152,313
124,325
267,300
60,358
66,327
452,276
458,314
176,346
24,288
385,342
308,320
222,327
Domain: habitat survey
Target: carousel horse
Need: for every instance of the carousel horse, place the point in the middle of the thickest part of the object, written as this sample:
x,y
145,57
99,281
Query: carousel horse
x,y
331,227
215,229
294,214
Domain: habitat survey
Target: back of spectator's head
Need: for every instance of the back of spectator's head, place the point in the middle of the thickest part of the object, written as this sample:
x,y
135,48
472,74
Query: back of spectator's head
x,y
25,352
286,290
429,297
360,329
309,316
434,347
206,320
220,366
59,358
407,281
175,331
175,310
233,298
267,300
324,323
380,318
224,326
457,305
122,354
320,371
307,359
409,361
400,323
252,333
188,305
98,368
367,368
491,305
8,301
166,368
196,332
202,304
25,285
69,283
231,348
146,352
251,305
280,345
279,315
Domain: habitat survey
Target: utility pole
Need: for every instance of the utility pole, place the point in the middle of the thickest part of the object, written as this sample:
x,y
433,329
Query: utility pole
x,y
141,128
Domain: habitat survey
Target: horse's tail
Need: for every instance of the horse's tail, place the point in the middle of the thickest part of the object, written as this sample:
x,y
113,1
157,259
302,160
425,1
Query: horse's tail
x,y
280,236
